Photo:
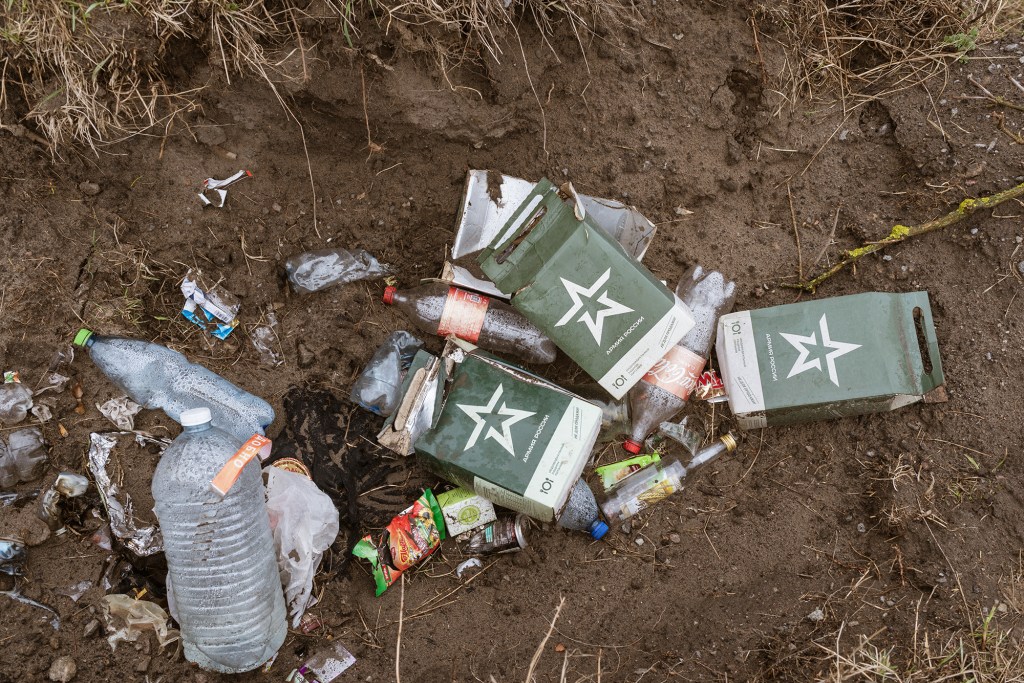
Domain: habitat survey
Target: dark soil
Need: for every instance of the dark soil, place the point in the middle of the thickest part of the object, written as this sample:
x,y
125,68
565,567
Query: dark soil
x,y
891,524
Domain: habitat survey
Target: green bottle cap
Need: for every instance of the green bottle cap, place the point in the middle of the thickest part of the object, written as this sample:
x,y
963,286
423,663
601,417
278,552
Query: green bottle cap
x,y
82,337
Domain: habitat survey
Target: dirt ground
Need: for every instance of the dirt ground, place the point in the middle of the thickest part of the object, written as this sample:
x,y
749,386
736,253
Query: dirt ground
x,y
893,525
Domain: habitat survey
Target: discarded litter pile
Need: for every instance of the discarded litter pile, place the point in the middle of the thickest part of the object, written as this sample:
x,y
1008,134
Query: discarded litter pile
x,y
535,269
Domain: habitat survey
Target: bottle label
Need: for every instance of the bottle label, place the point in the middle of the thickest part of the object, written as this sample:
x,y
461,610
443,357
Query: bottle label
x,y
463,314
228,475
677,372
657,493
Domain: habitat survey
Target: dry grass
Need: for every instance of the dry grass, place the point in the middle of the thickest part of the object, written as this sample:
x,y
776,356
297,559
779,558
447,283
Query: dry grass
x,y
87,72
987,655
861,49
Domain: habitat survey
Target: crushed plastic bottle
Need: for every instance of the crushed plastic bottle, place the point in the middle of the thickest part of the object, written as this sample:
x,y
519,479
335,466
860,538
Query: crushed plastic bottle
x,y
15,401
378,388
615,422
157,377
220,551
581,512
316,270
439,309
664,390
23,458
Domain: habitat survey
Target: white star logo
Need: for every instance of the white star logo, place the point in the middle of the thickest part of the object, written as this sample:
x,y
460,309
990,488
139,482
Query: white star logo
x,y
801,364
611,307
504,438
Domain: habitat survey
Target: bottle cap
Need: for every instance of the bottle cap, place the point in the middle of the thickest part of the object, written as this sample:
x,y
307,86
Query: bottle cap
x,y
82,337
598,529
632,446
389,294
730,442
195,416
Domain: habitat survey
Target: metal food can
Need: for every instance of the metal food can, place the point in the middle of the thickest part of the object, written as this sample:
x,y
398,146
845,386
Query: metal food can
x,y
293,465
507,534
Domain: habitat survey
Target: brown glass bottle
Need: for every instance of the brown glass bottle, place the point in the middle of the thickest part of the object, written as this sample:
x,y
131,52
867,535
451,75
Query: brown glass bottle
x,y
437,308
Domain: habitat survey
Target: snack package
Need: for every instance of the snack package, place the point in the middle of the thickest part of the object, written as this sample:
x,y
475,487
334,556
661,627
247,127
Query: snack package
x,y
617,471
411,537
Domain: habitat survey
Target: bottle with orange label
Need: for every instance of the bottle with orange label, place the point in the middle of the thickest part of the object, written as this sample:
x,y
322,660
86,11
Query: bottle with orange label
x,y
663,391
437,308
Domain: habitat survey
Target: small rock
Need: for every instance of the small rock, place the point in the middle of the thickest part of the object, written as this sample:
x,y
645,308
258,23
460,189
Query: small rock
x,y
63,669
91,628
626,527
1020,267
816,616
306,357
861,528
887,257
276,207
142,666
1001,608
638,540
661,555
674,538
89,188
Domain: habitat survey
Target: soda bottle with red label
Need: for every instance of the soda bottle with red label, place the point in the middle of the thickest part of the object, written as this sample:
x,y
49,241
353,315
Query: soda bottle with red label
x,y
663,391
437,308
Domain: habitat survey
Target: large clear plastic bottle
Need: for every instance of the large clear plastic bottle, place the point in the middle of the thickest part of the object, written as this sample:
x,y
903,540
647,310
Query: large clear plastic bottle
x,y
581,512
156,377
220,552
439,309
663,391
377,389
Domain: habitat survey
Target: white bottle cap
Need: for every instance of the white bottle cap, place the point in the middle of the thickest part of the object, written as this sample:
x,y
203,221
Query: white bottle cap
x,y
195,416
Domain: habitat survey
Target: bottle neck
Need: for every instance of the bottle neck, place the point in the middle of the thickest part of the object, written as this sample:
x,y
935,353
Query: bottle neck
x,y
197,428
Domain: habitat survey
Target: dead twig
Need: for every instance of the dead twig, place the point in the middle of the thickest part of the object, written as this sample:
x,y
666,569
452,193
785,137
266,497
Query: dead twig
x,y
901,233
540,648
398,641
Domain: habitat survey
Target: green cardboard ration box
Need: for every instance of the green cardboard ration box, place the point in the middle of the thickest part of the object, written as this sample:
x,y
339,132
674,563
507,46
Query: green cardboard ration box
x,y
569,278
511,437
829,358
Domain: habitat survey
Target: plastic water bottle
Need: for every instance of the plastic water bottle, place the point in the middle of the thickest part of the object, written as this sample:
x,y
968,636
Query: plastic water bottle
x,y
15,402
439,309
378,388
220,551
664,390
315,270
581,512
156,377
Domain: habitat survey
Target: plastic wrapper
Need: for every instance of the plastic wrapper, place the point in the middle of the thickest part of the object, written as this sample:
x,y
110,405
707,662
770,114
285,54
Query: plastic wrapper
x,y
67,485
326,664
127,619
210,307
121,411
140,540
378,388
23,458
305,523
410,538
217,189
265,340
315,270
617,471
12,556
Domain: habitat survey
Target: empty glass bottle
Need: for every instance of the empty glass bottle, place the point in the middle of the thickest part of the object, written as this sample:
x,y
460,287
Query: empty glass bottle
x,y
439,309
220,552
154,376
663,391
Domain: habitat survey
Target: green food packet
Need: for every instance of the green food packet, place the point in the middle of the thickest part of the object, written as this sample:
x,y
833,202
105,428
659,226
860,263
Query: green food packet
x,y
617,471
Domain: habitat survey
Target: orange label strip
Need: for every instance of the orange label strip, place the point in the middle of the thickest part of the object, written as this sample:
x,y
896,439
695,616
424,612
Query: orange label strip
x,y
228,475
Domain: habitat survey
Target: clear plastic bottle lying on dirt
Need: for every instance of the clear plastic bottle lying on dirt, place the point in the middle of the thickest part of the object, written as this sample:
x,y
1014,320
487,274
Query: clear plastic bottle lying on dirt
x,y
220,552
316,270
15,402
378,388
439,309
157,377
27,453
581,512
663,391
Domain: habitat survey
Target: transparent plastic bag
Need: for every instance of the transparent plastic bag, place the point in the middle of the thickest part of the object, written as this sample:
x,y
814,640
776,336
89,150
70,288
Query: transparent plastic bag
x,y
378,389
